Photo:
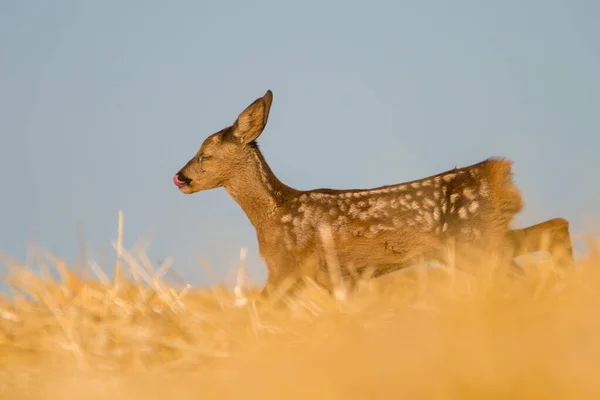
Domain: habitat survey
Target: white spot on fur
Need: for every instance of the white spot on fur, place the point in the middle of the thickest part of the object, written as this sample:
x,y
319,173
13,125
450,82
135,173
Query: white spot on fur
x,y
429,220
445,227
415,185
340,220
469,193
426,183
449,177
462,213
286,218
453,198
436,214
378,208
473,206
484,189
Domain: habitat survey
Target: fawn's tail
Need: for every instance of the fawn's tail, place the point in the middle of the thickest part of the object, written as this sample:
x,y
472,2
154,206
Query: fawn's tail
x,y
504,194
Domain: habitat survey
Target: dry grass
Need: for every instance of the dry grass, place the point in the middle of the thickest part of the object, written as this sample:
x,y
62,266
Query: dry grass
x,y
427,333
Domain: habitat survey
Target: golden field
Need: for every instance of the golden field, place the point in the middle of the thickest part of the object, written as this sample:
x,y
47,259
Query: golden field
x,y
426,333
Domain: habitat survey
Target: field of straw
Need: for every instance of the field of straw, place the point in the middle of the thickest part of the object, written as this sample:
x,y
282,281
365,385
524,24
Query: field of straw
x,y
426,333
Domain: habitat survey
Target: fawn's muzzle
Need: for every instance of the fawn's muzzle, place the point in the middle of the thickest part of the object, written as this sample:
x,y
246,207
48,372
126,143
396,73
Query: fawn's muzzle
x,y
180,180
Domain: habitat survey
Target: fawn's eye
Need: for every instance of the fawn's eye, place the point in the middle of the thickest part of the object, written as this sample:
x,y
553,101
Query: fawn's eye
x,y
203,157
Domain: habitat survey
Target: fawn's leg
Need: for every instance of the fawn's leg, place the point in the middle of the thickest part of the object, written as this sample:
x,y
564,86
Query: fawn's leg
x,y
281,283
552,236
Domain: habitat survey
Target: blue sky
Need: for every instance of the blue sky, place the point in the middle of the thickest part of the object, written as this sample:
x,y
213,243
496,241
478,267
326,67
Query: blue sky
x,y
102,102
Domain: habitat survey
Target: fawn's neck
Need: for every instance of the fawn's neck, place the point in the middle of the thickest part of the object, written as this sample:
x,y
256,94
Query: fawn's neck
x,y
257,190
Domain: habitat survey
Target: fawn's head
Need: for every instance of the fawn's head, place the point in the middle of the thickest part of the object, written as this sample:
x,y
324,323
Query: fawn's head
x,y
221,154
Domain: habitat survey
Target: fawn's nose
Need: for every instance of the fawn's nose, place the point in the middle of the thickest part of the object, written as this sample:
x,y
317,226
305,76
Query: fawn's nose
x,y
180,180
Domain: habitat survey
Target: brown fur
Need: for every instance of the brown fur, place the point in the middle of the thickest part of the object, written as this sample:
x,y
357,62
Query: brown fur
x,y
381,229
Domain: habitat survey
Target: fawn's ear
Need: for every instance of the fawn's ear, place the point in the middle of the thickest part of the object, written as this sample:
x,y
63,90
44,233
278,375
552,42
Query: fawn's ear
x,y
252,121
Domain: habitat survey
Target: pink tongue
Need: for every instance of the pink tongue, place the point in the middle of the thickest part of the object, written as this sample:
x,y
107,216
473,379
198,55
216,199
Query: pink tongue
x,y
177,182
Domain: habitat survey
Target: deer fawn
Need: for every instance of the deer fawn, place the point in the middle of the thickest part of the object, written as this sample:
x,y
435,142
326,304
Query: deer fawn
x,y
381,229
